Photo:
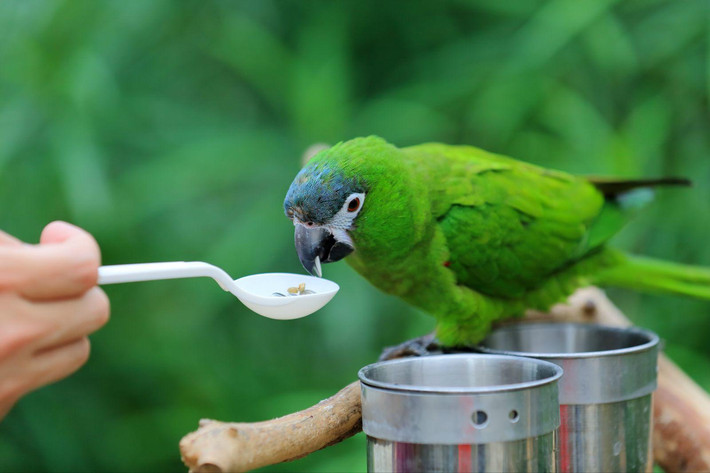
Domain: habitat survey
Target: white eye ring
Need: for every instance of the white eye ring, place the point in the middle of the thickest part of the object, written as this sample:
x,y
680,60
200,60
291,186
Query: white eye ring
x,y
342,221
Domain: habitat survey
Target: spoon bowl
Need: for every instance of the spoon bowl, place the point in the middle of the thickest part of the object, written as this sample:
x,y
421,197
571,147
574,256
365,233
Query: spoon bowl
x,y
257,291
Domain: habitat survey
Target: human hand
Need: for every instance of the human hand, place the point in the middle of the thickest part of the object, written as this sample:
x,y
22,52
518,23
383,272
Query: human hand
x,y
49,303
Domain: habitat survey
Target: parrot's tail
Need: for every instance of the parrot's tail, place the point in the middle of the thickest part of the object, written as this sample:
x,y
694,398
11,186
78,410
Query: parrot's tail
x,y
651,275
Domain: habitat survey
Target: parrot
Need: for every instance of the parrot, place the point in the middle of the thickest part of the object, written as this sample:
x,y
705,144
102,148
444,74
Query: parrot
x,y
469,236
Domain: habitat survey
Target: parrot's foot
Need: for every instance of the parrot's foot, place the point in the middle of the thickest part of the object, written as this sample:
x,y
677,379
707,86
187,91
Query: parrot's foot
x,y
420,346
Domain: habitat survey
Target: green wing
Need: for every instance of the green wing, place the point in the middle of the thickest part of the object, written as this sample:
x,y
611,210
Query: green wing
x,y
509,225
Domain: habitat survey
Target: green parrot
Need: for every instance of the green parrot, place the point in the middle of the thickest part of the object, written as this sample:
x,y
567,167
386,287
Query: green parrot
x,y
469,236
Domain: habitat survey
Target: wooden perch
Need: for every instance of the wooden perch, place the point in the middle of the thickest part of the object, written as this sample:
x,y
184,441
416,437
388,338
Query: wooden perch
x,y
234,446
681,438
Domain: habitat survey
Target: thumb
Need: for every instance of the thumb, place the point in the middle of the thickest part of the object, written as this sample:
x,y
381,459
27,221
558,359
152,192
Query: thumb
x,y
59,232
63,265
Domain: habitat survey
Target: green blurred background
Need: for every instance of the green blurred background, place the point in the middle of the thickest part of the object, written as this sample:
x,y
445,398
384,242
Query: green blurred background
x,y
172,129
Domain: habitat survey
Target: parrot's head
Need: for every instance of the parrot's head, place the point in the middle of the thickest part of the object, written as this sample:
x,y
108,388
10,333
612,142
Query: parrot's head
x,y
328,199
323,204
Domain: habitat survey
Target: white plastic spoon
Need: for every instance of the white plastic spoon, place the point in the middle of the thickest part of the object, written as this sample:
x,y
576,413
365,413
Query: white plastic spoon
x,y
255,291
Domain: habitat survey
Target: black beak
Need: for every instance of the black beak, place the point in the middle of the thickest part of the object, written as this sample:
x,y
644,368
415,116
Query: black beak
x,y
317,245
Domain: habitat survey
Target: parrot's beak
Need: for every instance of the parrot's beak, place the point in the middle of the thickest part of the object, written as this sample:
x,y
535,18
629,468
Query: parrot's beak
x,y
317,245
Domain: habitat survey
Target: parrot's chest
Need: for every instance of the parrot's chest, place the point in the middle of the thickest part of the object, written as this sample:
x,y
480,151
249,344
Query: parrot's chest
x,y
394,275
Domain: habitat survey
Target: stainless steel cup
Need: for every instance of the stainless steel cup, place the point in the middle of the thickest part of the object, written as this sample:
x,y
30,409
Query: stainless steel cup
x,y
605,392
460,413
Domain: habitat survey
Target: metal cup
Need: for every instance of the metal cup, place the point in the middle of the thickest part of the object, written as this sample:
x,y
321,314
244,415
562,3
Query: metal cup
x,y
605,393
460,413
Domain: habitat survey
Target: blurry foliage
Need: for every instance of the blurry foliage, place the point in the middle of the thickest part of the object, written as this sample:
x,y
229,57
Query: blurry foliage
x,y
171,131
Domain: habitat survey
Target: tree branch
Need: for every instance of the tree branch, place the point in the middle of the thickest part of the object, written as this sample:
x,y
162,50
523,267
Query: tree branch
x,y
235,446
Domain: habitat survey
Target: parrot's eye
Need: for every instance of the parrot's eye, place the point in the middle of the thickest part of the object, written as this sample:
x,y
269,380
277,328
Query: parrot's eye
x,y
354,204
289,213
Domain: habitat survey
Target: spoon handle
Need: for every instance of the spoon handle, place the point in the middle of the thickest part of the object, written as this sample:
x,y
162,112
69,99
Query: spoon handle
x,y
121,273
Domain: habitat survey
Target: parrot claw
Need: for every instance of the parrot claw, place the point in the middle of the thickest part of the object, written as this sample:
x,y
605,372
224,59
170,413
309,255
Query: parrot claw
x,y
420,346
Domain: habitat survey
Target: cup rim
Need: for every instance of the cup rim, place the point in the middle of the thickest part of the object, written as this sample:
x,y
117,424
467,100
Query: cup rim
x,y
459,390
653,340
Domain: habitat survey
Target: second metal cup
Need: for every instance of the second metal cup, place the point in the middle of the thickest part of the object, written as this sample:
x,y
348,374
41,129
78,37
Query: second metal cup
x,y
605,392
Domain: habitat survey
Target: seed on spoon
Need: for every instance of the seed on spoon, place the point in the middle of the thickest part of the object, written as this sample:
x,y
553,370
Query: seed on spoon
x,y
300,290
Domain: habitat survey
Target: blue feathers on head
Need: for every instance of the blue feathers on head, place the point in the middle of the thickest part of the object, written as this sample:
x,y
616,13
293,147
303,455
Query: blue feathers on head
x,y
318,192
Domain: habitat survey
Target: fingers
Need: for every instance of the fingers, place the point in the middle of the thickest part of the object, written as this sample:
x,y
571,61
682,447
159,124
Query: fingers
x,y
52,365
27,373
64,265
44,341
32,327
71,319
